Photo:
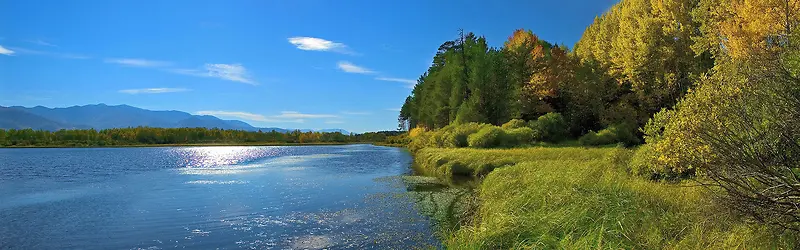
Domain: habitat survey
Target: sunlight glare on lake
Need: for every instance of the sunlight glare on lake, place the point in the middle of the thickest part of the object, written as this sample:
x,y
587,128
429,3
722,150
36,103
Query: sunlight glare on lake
x,y
204,157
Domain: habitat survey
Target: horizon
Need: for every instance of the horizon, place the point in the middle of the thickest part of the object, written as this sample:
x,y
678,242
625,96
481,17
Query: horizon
x,y
271,64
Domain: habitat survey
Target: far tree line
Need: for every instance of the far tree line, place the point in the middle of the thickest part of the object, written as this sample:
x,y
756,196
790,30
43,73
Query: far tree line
x,y
151,136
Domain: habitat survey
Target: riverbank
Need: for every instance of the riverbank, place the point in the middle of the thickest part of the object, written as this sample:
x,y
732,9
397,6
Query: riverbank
x,y
574,197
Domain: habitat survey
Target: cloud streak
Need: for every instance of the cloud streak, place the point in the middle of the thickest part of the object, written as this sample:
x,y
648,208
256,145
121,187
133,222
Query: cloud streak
x,y
136,62
230,72
318,44
352,68
409,82
48,53
355,113
294,114
152,91
4,51
235,114
40,42
284,117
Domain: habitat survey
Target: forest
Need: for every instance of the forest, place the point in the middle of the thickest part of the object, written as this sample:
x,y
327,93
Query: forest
x,y
704,92
175,136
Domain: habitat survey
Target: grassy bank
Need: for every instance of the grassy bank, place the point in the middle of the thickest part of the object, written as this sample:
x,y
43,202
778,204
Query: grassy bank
x,y
581,198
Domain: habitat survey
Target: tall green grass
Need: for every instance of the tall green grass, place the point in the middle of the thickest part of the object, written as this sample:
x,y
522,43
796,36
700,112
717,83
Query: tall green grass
x,y
584,198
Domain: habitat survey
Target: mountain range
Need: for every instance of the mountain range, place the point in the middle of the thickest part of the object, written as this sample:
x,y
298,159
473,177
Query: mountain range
x,y
102,116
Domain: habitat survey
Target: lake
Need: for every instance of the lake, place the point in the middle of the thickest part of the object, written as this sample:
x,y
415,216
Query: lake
x,y
349,196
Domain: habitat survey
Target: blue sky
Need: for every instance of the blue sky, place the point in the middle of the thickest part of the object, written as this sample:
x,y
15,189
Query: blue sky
x,y
292,64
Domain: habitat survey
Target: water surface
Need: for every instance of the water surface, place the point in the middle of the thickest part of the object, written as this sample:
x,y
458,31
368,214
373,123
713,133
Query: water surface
x,y
278,197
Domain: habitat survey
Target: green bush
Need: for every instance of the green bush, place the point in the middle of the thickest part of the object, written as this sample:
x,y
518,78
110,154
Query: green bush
x,y
487,137
550,127
514,123
401,139
438,136
457,136
519,136
645,163
626,134
620,133
594,138
418,142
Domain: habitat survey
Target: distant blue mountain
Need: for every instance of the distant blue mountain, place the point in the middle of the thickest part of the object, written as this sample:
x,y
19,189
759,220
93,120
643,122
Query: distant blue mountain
x,y
18,119
101,116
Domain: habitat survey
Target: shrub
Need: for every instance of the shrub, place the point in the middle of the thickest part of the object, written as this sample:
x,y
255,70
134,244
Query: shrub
x,y
620,133
626,134
438,137
418,142
519,136
487,137
740,130
458,135
414,132
550,127
594,138
514,123
642,163
398,139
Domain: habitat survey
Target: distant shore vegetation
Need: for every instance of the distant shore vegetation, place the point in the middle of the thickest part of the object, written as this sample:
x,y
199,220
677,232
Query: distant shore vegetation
x,y
142,136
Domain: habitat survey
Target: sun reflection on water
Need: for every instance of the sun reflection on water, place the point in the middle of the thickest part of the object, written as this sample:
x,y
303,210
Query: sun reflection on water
x,y
202,157
241,160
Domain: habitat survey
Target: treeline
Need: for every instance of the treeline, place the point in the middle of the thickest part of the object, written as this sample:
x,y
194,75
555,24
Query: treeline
x,y
630,63
712,86
150,136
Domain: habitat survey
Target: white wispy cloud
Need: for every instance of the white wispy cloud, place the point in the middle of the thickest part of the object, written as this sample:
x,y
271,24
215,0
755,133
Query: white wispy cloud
x,y
334,122
318,44
189,72
48,53
409,82
237,114
394,109
136,62
352,68
285,116
298,115
230,72
41,42
401,80
152,90
246,116
355,113
5,51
